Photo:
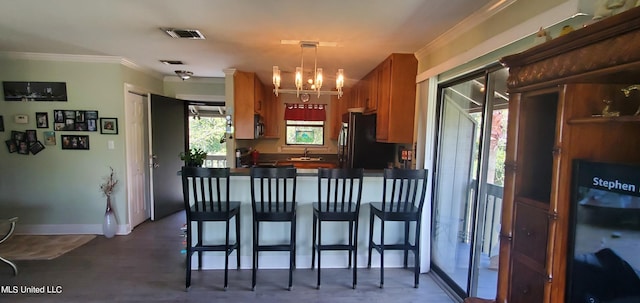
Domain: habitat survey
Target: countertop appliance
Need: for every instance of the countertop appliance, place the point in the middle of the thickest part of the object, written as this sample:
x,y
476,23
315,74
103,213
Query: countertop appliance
x,y
357,146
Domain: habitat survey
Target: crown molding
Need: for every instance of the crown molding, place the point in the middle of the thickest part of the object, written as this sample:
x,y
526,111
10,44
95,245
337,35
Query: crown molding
x,y
468,23
555,15
79,58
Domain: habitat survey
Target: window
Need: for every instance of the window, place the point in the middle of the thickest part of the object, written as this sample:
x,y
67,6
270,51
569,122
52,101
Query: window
x,y
206,132
305,132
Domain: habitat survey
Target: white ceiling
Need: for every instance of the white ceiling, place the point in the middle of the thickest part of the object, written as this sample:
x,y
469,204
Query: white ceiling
x,y
241,34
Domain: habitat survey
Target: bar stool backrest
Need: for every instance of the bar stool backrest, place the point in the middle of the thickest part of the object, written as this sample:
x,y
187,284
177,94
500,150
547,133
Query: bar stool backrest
x,y
273,189
339,190
205,189
404,189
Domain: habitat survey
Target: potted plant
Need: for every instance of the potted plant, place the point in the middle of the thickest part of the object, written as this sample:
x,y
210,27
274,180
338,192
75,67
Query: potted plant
x,y
194,157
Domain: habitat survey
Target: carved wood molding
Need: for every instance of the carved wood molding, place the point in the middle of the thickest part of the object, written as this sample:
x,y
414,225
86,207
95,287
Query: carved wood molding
x,y
611,42
615,51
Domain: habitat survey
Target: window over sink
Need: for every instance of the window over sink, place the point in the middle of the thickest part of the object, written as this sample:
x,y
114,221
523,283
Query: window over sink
x,y
304,132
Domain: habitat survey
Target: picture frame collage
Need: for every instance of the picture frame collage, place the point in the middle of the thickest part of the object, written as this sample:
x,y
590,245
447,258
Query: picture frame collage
x,y
24,143
75,120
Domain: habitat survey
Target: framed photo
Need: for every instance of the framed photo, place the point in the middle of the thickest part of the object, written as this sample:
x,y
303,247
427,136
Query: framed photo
x,y
109,126
42,120
75,120
23,147
1,124
35,91
18,136
11,146
36,147
31,135
75,142
49,137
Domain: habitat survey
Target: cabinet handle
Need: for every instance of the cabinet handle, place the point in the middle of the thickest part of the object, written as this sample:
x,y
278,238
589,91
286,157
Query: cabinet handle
x,y
525,291
527,232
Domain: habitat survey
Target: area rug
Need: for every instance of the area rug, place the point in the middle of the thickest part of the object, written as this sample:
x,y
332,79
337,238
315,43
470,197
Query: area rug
x,y
31,247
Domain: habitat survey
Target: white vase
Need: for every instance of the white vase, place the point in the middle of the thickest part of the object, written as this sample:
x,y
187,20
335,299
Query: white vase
x,y
109,225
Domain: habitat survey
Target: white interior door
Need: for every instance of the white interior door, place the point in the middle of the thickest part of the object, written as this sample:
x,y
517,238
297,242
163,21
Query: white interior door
x,y
137,160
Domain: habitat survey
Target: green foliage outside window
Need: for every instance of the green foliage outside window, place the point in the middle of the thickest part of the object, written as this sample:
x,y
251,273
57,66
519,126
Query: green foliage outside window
x,y
206,133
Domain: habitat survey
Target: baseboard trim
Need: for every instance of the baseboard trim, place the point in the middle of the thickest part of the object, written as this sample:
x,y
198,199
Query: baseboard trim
x,y
65,229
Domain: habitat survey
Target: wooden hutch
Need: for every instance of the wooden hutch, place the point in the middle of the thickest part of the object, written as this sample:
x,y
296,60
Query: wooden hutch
x,y
556,93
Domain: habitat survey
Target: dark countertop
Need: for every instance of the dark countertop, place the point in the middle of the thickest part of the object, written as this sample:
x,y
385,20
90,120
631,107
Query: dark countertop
x,y
307,172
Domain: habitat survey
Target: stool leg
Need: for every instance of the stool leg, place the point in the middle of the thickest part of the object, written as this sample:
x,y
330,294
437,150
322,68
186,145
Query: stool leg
x,y
292,252
370,237
313,241
416,253
199,244
319,251
350,241
406,243
238,240
381,253
355,255
254,254
226,254
188,258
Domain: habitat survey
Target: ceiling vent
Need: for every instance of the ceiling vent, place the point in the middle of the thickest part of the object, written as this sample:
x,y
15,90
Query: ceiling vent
x,y
184,33
172,62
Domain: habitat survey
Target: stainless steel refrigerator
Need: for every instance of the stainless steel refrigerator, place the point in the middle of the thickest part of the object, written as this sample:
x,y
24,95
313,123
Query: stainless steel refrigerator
x,y
357,146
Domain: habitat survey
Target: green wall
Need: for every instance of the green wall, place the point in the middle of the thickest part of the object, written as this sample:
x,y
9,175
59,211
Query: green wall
x,y
62,186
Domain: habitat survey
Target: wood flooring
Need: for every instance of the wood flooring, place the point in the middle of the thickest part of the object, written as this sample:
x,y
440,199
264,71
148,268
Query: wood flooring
x,y
146,266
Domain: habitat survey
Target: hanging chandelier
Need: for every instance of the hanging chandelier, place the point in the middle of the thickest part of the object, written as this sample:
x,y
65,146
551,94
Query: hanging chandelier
x,y
313,84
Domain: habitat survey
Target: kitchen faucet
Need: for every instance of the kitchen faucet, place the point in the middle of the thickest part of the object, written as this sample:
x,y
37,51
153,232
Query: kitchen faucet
x,y
306,152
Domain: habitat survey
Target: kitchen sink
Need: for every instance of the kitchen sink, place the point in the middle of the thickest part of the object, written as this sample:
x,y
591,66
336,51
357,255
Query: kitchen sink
x,y
305,159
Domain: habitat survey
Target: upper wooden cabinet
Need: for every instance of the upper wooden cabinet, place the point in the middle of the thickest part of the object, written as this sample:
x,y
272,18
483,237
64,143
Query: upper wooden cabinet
x,y
248,102
556,93
396,93
272,115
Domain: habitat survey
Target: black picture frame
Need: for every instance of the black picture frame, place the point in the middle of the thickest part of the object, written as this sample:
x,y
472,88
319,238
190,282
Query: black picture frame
x,y
78,142
109,126
18,136
11,145
1,124
23,147
35,91
36,147
75,120
42,120
30,135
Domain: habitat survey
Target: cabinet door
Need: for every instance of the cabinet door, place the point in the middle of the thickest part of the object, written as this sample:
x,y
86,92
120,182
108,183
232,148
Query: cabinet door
x,y
244,96
258,97
272,117
384,98
372,105
527,284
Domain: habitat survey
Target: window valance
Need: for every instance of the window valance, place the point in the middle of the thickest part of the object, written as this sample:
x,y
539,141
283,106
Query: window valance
x,y
305,112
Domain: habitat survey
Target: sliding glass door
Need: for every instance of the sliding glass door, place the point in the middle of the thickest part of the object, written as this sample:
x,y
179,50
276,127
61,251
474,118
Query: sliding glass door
x,y
468,186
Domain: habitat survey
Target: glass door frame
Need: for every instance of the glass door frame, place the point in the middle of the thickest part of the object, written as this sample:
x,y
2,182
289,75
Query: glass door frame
x,y
481,172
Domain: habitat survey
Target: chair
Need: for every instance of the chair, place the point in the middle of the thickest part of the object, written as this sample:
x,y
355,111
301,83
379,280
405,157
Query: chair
x,y
403,204
206,199
339,194
11,227
273,199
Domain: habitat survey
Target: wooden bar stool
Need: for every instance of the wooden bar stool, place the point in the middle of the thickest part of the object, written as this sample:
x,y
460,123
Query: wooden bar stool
x,y
403,196
339,194
206,199
273,199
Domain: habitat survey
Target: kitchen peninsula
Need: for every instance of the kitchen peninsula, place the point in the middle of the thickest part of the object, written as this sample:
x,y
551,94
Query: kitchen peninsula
x,y
274,233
